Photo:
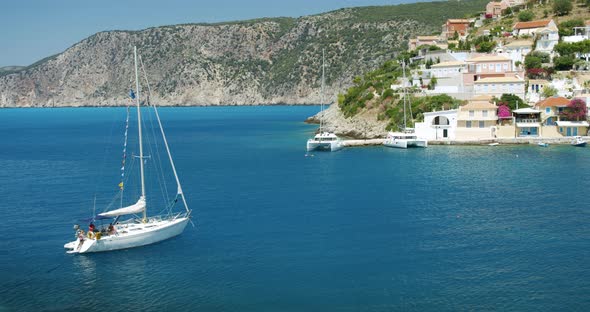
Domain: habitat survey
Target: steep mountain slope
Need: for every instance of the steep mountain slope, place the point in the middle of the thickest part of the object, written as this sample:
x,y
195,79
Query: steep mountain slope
x,y
261,61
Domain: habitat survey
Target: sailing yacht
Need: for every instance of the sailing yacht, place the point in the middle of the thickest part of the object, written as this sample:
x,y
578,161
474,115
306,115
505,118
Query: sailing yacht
x,y
407,137
324,140
138,229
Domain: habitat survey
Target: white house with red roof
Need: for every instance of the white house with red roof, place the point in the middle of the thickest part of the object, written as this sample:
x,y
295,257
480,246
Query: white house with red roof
x,y
532,27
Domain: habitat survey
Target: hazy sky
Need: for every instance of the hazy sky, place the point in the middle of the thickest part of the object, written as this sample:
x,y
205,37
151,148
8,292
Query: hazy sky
x,y
33,29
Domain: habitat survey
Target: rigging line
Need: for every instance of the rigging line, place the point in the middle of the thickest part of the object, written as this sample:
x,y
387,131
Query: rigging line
x,y
106,151
160,162
159,165
156,112
179,187
157,162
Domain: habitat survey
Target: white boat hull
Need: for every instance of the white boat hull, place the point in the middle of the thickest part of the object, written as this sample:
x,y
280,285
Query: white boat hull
x,y
332,146
405,143
131,235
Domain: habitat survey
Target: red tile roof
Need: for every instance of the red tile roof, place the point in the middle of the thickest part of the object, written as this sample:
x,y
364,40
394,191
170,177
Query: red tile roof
x,y
533,24
553,102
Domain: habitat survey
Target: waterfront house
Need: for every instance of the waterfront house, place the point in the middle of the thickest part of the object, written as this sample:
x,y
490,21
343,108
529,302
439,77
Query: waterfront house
x,y
477,119
551,108
497,86
551,115
460,26
527,121
439,125
531,28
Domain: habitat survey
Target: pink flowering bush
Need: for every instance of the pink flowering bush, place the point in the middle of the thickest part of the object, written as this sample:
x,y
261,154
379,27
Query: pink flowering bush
x,y
575,111
504,111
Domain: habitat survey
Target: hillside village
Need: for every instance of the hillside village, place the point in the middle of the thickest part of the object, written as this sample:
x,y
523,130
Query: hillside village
x,y
504,73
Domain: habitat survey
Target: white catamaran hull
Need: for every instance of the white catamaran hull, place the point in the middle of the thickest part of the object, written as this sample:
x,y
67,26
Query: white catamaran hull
x,y
403,143
332,146
131,235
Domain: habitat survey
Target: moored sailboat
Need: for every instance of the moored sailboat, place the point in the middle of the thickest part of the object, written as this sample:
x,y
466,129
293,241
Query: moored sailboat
x,y
139,229
324,140
407,137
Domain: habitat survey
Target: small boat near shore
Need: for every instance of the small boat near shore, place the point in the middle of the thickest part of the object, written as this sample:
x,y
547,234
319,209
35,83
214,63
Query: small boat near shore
x,y
578,141
543,144
404,139
325,141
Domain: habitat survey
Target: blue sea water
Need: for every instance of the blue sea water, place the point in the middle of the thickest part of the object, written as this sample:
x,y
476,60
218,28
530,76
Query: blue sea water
x,y
446,228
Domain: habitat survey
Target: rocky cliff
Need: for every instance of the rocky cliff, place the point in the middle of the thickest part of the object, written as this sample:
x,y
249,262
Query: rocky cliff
x,y
264,61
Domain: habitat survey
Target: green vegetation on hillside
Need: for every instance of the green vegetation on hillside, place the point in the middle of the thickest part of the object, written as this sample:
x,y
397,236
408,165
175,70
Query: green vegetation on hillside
x,y
373,91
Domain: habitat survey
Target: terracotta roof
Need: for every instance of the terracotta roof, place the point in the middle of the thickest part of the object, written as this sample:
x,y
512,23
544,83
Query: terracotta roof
x,y
457,21
499,79
533,24
587,23
448,64
553,101
488,58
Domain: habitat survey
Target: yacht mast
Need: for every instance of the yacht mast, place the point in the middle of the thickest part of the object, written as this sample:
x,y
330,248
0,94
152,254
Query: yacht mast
x,y
139,128
404,90
322,94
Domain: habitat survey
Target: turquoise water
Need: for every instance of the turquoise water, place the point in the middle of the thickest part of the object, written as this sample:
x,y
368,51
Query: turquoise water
x,y
371,229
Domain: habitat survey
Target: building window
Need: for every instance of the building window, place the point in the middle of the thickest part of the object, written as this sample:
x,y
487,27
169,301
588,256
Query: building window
x,y
505,66
478,68
485,66
471,113
481,123
484,113
468,124
548,110
498,68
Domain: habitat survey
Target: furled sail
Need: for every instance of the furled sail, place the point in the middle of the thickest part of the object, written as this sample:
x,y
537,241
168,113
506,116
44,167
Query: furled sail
x,y
133,209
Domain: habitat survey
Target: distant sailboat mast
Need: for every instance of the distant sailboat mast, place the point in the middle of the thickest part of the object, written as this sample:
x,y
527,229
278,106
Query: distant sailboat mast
x,y
322,92
139,126
404,91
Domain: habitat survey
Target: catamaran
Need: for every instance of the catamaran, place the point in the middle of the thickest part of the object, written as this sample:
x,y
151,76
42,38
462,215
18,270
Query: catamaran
x,y
407,137
138,229
324,140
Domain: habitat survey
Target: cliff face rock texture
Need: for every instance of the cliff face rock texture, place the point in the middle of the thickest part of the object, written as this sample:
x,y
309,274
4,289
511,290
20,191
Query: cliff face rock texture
x,y
364,125
265,61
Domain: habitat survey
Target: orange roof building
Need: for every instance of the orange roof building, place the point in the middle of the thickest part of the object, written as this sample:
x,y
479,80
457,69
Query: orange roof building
x,y
461,26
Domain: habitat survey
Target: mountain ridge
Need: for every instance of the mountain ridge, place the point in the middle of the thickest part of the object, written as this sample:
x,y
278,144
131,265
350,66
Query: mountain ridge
x,y
258,61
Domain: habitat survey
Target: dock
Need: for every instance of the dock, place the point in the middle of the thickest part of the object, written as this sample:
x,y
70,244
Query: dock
x,y
500,141
367,142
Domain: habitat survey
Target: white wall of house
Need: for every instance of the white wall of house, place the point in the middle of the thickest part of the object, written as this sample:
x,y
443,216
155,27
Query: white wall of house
x,y
434,129
546,40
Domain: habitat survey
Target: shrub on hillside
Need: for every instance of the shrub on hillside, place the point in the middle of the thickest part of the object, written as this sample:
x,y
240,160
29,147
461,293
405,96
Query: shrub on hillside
x,y
526,16
562,7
